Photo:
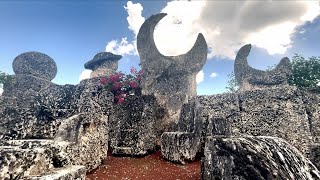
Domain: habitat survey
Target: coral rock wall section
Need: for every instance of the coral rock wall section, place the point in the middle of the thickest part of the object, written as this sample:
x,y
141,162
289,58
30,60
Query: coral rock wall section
x,y
288,113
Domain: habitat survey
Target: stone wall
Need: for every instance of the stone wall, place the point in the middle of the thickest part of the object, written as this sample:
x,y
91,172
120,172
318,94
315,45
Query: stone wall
x,y
133,126
289,113
65,125
254,157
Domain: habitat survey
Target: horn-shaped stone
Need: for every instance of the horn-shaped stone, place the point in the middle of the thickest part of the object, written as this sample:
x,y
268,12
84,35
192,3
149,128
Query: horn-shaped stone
x,y
150,55
250,78
172,79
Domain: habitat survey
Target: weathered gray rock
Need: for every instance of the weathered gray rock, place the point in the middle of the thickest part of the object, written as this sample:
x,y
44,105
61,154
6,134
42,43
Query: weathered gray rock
x,y
35,64
103,64
250,78
66,173
183,145
16,163
278,112
132,126
71,120
172,79
252,157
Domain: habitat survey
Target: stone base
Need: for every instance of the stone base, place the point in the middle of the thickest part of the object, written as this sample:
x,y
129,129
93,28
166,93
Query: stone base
x,y
65,173
16,163
129,151
179,146
251,157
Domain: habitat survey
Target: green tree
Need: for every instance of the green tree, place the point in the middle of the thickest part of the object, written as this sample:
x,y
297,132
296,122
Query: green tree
x,y
4,78
306,73
233,85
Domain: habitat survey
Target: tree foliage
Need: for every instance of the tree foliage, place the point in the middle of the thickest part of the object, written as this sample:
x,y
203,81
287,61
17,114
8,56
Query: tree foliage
x,y
232,84
4,78
306,73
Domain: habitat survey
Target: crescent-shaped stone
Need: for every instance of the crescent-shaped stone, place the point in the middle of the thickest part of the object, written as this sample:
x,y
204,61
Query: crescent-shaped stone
x,y
149,52
242,70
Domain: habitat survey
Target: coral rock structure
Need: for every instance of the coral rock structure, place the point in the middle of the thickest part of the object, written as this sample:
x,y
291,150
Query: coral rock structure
x,y
172,79
50,127
103,64
254,157
250,78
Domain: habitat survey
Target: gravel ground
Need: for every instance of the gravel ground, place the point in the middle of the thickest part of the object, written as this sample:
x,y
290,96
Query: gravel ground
x,y
146,168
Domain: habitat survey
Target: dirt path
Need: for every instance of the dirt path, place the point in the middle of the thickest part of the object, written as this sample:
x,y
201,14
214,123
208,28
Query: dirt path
x,y
146,168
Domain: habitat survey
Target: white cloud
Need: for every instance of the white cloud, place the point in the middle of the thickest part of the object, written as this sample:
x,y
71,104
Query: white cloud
x,y
226,25
213,75
1,91
85,74
122,48
135,20
200,77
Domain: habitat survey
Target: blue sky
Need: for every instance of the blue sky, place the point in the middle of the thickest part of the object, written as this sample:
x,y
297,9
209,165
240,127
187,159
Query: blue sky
x,y
73,32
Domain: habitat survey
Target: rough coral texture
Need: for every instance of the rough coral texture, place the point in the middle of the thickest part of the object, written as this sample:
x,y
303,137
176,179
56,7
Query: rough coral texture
x,y
74,115
254,157
132,126
279,112
66,173
250,78
16,163
183,145
172,79
103,64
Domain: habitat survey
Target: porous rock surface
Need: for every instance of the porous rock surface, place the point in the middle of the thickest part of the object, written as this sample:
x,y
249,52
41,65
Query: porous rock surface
x,y
35,64
250,78
103,64
183,145
73,116
289,113
133,126
254,157
172,79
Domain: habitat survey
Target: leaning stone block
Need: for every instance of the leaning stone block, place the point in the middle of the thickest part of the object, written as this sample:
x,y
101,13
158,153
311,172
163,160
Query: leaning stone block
x,y
179,146
183,145
254,157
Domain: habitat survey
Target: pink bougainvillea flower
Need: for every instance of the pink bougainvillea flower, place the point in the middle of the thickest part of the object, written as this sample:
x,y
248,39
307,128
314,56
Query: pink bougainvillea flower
x,y
117,86
103,80
121,100
133,70
133,84
113,78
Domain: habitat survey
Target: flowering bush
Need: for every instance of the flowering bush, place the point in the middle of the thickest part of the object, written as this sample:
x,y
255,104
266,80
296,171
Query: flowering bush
x,y
122,85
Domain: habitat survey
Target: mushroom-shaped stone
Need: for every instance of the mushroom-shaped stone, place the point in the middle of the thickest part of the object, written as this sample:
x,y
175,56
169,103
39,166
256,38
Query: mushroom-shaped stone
x,y
103,64
35,64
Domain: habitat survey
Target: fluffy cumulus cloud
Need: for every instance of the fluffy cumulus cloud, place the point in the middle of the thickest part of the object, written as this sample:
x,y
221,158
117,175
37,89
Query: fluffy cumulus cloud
x,y
213,75
85,74
135,20
200,77
226,25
